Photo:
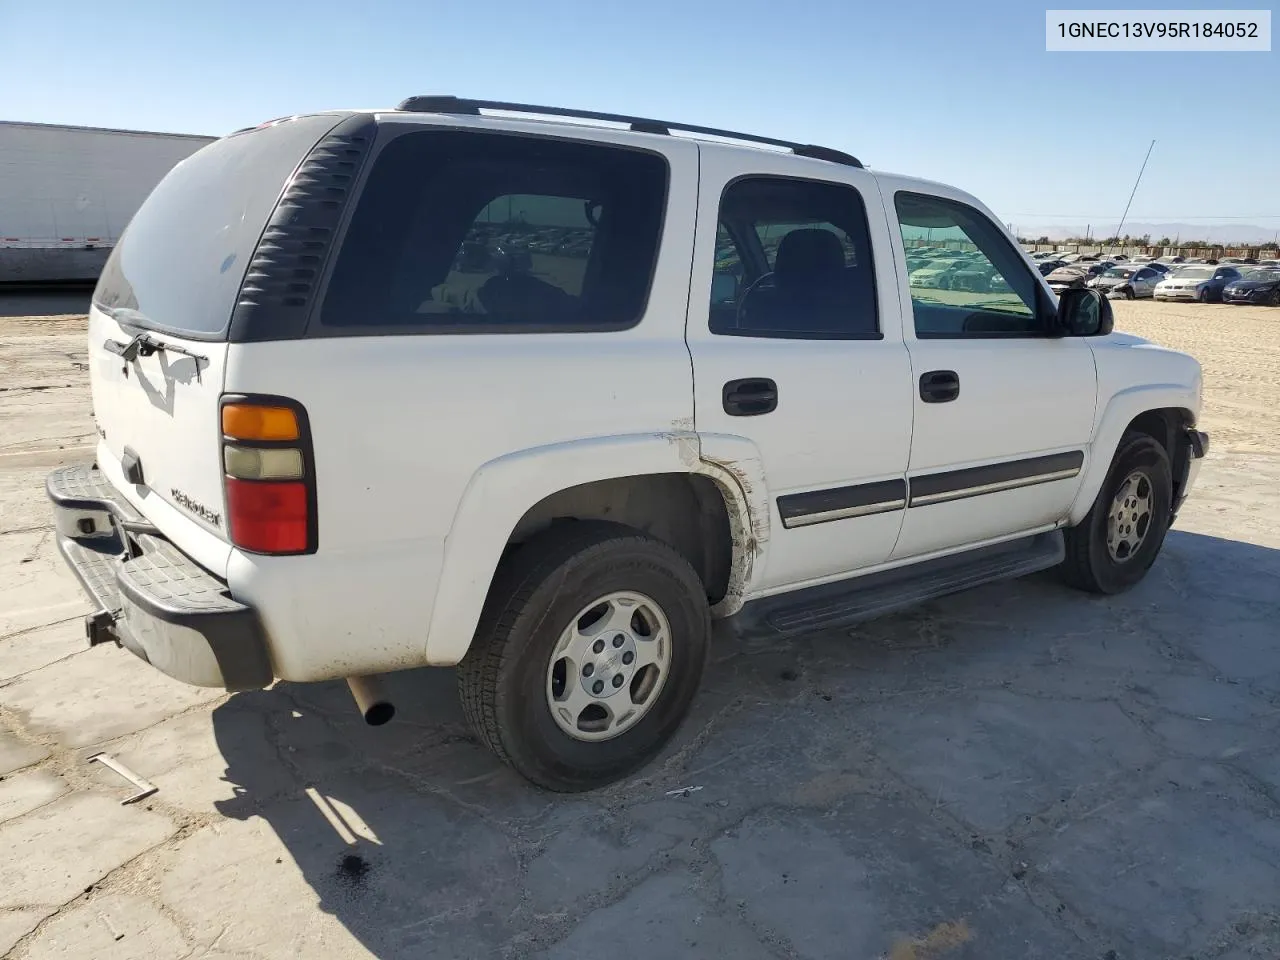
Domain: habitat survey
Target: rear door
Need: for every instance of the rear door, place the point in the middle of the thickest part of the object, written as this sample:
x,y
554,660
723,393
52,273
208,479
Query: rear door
x,y
797,347
158,327
499,289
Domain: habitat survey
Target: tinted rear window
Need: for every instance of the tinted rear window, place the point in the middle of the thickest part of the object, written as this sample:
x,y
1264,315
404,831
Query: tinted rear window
x,y
179,265
465,232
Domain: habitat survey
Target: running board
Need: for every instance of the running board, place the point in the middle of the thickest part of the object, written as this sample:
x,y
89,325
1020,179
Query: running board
x,y
862,598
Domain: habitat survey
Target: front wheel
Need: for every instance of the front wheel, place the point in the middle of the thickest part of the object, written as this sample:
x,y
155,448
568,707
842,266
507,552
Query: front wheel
x,y
588,654
1113,547
1203,296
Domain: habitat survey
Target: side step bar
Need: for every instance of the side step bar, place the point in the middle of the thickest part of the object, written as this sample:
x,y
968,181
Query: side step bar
x,y
849,601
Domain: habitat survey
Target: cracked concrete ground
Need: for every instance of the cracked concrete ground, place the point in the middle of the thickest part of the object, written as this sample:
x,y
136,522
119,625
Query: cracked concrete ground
x,y
1016,772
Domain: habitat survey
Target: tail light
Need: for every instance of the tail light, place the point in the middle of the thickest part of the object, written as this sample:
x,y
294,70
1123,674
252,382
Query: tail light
x,y
269,475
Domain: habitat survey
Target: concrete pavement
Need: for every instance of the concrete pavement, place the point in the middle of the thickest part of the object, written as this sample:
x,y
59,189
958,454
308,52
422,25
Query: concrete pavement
x,y
1017,772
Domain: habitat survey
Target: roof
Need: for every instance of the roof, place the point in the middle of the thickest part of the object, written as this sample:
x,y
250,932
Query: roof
x,y
457,106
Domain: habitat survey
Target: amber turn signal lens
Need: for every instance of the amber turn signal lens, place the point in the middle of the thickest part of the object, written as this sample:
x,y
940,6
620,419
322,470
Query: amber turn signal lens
x,y
245,421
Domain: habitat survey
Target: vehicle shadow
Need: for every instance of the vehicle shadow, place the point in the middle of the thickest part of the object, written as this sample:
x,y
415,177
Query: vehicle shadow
x,y
27,301
420,843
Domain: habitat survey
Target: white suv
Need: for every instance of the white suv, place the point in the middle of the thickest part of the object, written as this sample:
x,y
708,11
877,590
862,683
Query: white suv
x,y
542,393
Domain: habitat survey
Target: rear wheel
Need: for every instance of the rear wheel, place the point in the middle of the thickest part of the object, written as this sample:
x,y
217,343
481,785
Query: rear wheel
x,y
588,655
1275,297
1113,547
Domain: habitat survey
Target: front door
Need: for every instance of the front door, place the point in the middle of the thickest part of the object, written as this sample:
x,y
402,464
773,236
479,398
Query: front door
x,y
798,351
1144,282
1003,411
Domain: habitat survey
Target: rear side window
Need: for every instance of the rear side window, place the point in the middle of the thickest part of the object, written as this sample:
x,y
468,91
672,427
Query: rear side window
x,y
793,261
179,265
462,232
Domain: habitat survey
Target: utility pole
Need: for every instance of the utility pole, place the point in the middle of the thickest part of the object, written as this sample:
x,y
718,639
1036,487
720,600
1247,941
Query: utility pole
x,y
1125,215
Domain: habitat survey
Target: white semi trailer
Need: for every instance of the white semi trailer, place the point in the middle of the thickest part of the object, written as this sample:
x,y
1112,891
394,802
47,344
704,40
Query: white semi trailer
x,y
66,193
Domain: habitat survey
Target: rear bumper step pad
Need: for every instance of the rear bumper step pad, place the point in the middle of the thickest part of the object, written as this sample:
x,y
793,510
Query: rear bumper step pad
x,y
153,599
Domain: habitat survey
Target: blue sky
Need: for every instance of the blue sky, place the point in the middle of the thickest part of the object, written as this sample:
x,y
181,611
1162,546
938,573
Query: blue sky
x,y
960,92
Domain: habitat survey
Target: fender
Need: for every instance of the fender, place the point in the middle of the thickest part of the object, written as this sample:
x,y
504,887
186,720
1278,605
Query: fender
x,y
502,491
1119,412
735,464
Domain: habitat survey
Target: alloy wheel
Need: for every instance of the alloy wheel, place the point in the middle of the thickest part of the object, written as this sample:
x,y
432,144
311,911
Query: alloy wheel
x,y
1129,518
609,666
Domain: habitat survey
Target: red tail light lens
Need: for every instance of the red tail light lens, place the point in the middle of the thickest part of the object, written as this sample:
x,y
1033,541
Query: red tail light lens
x,y
267,516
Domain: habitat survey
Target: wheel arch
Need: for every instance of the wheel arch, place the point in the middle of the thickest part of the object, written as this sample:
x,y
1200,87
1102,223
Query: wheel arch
x,y
1161,411
657,483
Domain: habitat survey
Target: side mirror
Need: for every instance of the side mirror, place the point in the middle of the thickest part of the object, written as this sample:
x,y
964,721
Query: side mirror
x,y
724,287
1084,313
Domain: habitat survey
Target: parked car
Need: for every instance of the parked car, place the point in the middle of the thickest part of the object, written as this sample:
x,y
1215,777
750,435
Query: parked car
x,y
1202,260
1239,261
937,274
1076,275
1047,267
1066,277
1254,286
1130,281
1269,263
358,469
1203,283
1163,268
973,276
1170,258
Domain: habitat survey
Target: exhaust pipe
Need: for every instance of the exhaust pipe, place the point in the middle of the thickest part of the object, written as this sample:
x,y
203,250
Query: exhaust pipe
x,y
372,700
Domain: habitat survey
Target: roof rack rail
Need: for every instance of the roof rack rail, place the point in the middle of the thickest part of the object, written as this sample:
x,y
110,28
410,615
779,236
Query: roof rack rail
x,y
444,103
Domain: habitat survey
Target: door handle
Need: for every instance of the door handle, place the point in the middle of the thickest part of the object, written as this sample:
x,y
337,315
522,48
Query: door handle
x,y
939,386
750,397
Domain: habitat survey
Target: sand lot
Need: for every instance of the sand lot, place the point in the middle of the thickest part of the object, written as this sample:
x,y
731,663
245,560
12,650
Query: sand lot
x,y
1017,772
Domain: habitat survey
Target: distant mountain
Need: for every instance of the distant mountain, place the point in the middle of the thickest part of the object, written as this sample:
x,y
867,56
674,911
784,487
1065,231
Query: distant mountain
x,y
1247,233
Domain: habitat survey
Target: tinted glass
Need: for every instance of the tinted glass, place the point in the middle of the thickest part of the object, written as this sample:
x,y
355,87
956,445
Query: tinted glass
x,y
799,255
985,289
772,234
470,232
179,265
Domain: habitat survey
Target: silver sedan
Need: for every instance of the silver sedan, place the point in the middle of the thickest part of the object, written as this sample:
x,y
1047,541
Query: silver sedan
x,y
1127,280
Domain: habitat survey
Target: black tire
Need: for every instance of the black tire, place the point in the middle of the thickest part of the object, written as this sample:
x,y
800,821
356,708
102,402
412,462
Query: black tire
x,y
536,592
1089,565
1203,296
1275,298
